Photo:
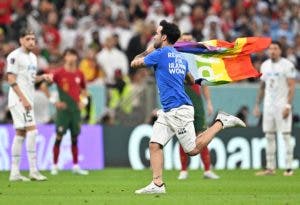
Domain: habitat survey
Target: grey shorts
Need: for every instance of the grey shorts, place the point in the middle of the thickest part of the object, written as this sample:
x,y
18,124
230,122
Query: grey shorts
x,y
179,122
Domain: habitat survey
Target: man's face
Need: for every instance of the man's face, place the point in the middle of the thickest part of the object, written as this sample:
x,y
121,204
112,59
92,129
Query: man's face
x,y
70,58
274,52
28,42
186,38
158,38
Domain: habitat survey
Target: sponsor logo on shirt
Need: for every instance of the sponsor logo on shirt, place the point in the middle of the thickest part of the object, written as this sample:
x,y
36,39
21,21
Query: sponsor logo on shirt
x,y
12,61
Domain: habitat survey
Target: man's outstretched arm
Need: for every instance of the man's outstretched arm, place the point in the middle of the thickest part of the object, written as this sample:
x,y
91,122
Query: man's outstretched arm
x,y
138,61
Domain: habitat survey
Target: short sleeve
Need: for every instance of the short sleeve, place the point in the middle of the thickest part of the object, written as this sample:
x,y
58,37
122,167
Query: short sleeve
x,y
187,66
11,63
290,70
82,84
151,60
262,71
55,75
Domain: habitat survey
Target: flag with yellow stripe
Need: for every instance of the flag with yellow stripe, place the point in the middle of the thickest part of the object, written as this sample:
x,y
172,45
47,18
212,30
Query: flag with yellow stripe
x,y
219,62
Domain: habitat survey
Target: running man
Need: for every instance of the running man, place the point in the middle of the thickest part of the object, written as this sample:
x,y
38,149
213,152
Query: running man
x,y
21,76
177,115
277,89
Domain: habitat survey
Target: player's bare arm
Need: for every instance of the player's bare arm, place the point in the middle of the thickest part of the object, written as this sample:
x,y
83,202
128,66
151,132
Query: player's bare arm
x,y
291,84
46,77
12,81
259,98
138,61
83,99
206,94
189,79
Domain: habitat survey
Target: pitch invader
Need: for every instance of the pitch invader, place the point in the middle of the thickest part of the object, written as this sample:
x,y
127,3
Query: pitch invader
x,y
21,76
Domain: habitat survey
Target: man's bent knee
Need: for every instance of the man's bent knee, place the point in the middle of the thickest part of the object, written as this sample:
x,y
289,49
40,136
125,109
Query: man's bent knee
x,y
154,146
194,152
21,132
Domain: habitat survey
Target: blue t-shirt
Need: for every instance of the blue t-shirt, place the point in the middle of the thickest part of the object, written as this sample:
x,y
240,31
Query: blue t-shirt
x,y
170,69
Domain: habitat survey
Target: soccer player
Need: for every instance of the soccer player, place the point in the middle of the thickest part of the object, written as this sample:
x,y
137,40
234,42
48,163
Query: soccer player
x,y
21,76
199,123
277,89
71,85
177,116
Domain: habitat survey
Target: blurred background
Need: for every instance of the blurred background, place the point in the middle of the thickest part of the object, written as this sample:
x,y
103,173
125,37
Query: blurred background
x,y
109,33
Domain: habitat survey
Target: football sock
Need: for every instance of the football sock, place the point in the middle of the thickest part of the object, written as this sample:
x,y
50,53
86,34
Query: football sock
x,y
183,159
205,157
75,154
31,150
16,151
270,151
289,150
55,153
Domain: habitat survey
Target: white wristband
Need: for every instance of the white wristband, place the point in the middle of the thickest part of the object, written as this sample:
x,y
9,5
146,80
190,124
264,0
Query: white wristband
x,y
289,106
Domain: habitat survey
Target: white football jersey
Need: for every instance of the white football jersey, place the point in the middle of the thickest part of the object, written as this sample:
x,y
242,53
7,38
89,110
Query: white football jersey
x,y
24,66
275,75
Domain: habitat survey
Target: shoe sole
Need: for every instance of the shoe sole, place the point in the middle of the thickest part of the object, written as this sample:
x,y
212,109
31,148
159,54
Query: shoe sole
x,y
37,179
40,180
211,177
151,193
19,180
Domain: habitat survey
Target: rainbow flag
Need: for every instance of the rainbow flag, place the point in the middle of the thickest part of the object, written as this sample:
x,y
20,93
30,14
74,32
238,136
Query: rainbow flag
x,y
218,62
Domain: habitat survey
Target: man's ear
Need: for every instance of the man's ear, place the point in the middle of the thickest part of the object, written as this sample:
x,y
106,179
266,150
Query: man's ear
x,y
164,37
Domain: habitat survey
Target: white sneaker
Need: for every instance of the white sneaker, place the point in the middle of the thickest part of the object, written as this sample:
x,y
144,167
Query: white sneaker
x,y
78,170
210,175
229,120
183,175
54,170
152,189
288,173
18,177
37,176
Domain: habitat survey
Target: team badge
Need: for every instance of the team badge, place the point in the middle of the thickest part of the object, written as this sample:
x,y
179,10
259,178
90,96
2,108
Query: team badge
x,y
77,80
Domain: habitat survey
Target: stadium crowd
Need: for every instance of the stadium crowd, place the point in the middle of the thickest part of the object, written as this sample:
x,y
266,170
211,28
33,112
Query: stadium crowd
x,y
108,34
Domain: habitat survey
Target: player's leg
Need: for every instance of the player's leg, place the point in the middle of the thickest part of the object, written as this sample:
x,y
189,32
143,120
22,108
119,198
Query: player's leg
x,y
200,125
62,123
161,135
289,153
285,127
16,151
17,144
34,173
269,128
223,121
205,157
183,174
75,131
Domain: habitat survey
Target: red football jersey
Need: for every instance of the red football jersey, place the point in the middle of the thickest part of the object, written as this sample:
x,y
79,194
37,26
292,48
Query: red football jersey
x,y
70,82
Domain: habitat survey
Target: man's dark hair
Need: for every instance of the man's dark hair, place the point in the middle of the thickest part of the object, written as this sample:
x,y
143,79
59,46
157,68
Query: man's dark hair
x,y
278,44
186,33
71,51
26,31
171,30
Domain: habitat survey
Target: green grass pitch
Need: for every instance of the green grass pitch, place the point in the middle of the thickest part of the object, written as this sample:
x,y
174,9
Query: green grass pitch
x,y
117,185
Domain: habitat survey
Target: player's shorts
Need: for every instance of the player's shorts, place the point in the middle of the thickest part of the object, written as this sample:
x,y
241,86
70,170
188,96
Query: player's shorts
x,y
21,117
68,120
178,121
273,121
